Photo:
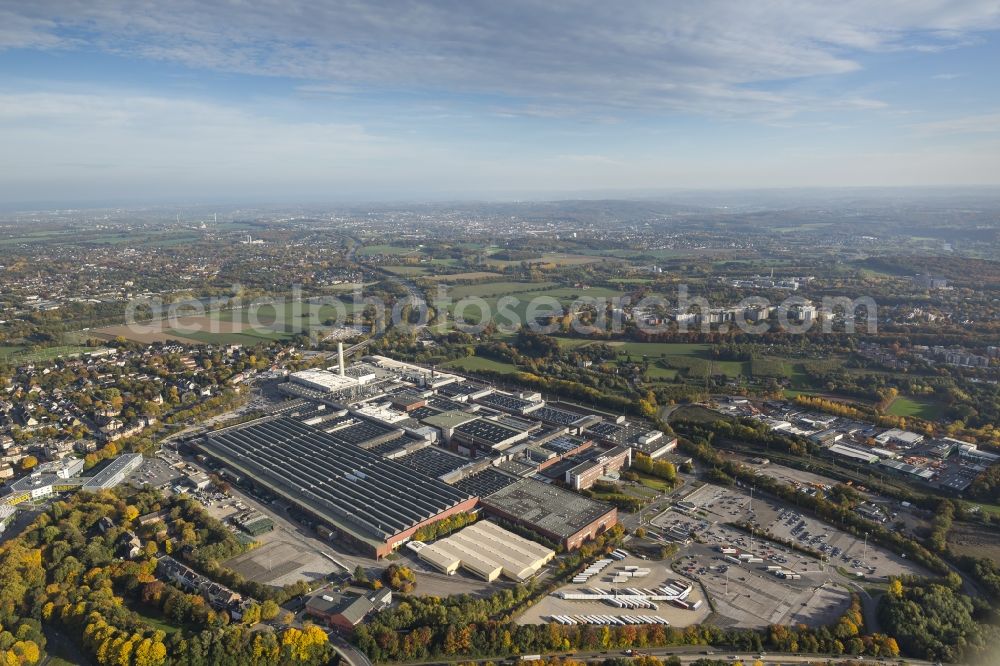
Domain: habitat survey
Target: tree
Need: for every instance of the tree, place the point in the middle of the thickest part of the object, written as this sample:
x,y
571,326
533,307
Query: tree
x,y
28,463
251,614
360,575
269,610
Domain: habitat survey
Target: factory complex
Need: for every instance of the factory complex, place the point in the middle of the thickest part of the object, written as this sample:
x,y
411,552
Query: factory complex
x,y
373,452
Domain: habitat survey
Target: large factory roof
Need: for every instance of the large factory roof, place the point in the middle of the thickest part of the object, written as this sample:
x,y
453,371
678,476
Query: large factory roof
x,y
360,431
449,419
508,403
547,507
433,461
323,380
490,432
358,491
485,482
562,417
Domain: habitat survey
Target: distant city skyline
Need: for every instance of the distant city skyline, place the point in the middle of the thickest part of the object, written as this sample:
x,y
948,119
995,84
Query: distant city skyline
x,y
323,101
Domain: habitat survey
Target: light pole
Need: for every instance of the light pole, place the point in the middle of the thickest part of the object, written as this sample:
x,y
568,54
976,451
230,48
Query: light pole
x,y
864,557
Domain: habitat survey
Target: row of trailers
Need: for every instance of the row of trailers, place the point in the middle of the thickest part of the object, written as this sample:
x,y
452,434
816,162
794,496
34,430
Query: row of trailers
x,y
594,569
597,567
607,619
631,603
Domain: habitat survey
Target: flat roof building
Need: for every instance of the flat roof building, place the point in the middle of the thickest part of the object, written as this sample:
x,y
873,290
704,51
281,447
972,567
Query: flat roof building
x,y
114,473
322,381
510,403
853,453
560,515
486,436
487,550
375,502
583,475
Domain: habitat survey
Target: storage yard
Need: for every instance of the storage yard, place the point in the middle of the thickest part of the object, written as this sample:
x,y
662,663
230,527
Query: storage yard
x,y
657,596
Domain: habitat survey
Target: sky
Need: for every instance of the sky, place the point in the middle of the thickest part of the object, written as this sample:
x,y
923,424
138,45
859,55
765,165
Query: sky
x,y
284,100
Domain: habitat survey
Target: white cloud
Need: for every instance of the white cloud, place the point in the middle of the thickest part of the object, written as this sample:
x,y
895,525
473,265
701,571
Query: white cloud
x,y
706,57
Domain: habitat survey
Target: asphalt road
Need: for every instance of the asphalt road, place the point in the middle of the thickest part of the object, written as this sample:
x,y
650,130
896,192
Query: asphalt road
x,y
691,653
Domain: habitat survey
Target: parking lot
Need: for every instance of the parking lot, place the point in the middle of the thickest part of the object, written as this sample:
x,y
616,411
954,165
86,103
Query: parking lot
x,y
659,574
283,558
842,549
155,472
746,594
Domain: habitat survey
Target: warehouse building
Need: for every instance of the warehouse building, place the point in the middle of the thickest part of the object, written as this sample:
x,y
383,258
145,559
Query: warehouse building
x,y
487,550
361,496
560,515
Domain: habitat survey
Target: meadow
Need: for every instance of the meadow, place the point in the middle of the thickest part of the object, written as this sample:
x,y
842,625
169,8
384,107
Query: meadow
x,y
918,407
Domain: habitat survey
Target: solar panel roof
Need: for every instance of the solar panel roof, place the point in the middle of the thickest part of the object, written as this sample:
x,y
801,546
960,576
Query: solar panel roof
x,y
354,489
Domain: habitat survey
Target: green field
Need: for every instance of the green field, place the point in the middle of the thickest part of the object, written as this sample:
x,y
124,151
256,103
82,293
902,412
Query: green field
x,y
408,271
698,414
248,338
769,367
154,618
920,407
541,302
477,363
369,250
25,354
637,350
659,373
294,314
573,343
498,288
557,258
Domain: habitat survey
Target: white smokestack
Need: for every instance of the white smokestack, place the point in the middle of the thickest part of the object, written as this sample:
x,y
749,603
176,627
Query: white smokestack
x,y
340,358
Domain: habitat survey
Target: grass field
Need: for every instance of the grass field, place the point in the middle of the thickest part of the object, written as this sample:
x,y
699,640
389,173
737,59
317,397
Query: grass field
x,y
769,367
553,258
409,271
696,413
573,343
294,314
369,250
499,288
546,302
659,349
919,407
472,275
248,338
659,373
476,363
26,355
